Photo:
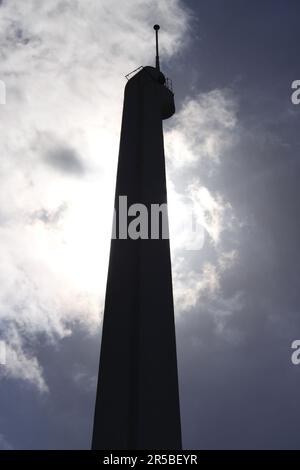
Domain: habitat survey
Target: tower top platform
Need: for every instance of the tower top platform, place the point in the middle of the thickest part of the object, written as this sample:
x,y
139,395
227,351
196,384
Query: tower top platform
x,y
153,78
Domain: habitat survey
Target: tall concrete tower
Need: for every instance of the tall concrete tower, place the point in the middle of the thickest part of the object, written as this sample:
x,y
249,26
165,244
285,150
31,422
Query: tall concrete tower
x,y
137,403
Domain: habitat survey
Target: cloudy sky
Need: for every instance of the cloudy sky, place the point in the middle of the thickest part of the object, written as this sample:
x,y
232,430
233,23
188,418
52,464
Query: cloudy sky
x,y
232,153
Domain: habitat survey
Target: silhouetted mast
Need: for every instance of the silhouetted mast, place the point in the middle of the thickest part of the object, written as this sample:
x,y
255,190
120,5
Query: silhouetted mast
x,y
137,402
156,27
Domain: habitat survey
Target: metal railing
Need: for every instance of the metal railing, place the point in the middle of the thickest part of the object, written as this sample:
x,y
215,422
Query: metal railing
x,y
128,76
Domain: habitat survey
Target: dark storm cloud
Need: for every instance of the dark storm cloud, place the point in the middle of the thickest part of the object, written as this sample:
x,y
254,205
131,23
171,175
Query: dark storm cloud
x,y
241,391
60,72
65,160
63,418
238,386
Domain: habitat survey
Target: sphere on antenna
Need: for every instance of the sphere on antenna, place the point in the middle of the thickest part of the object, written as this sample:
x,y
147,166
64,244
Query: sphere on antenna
x,y
156,27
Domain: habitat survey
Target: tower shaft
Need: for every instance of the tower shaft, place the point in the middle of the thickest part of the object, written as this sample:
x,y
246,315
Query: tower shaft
x,y
137,403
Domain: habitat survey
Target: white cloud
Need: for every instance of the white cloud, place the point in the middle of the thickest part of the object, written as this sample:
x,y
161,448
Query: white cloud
x,y
227,259
21,364
210,210
204,130
63,63
190,285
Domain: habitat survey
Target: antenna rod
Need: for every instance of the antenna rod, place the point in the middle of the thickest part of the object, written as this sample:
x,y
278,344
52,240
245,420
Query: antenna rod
x,y
156,27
